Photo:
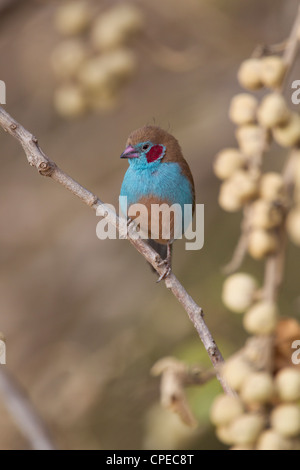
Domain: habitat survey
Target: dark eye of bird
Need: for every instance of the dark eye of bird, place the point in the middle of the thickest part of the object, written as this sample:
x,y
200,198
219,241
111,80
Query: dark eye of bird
x,y
145,147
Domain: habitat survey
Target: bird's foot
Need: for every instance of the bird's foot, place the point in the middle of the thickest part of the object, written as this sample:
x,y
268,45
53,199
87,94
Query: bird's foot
x,y
168,270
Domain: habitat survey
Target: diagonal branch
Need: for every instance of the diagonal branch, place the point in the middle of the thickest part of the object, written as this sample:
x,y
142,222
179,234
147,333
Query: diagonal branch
x,y
7,4
24,413
47,167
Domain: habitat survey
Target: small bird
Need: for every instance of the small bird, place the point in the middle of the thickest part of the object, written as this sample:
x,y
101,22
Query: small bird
x,y
157,174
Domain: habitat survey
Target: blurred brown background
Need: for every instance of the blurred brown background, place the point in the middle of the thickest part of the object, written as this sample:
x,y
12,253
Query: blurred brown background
x,y
83,318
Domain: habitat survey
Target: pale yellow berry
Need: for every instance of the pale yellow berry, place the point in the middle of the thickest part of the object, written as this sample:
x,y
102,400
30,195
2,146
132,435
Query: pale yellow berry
x,y
273,70
165,430
271,186
271,440
251,139
235,370
95,75
229,198
224,435
122,63
261,319
104,100
245,184
258,388
256,351
224,409
113,28
68,57
243,109
265,215
238,292
72,17
262,243
249,74
227,162
69,101
288,384
246,428
288,135
237,190
293,225
108,70
285,419
273,111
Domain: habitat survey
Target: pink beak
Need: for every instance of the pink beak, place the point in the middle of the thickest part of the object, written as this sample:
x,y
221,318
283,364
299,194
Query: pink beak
x,y
130,152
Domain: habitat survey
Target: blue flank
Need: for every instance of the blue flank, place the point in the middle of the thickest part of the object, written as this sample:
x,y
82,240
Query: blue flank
x,y
161,179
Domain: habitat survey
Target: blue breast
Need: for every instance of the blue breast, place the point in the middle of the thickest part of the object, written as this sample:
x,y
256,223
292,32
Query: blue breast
x,y
166,182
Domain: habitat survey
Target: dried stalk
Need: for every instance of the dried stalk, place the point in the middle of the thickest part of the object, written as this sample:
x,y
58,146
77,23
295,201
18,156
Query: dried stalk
x,y
7,4
175,377
24,413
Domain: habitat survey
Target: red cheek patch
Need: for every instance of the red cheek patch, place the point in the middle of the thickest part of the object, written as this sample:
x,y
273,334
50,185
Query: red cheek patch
x,y
155,152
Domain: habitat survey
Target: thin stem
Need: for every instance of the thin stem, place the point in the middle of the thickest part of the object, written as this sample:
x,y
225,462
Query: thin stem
x,y
291,49
275,264
241,248
24,413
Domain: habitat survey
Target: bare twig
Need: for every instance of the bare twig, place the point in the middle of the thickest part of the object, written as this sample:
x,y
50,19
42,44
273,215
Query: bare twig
x,y
241,248
292,46
264,49
194,375
7,4
289,47
175,376
47,167
238,256
198,376
24,413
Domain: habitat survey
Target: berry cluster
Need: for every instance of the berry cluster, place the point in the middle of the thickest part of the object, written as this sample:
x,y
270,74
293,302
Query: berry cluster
x,y
265,413
93,61
244,185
